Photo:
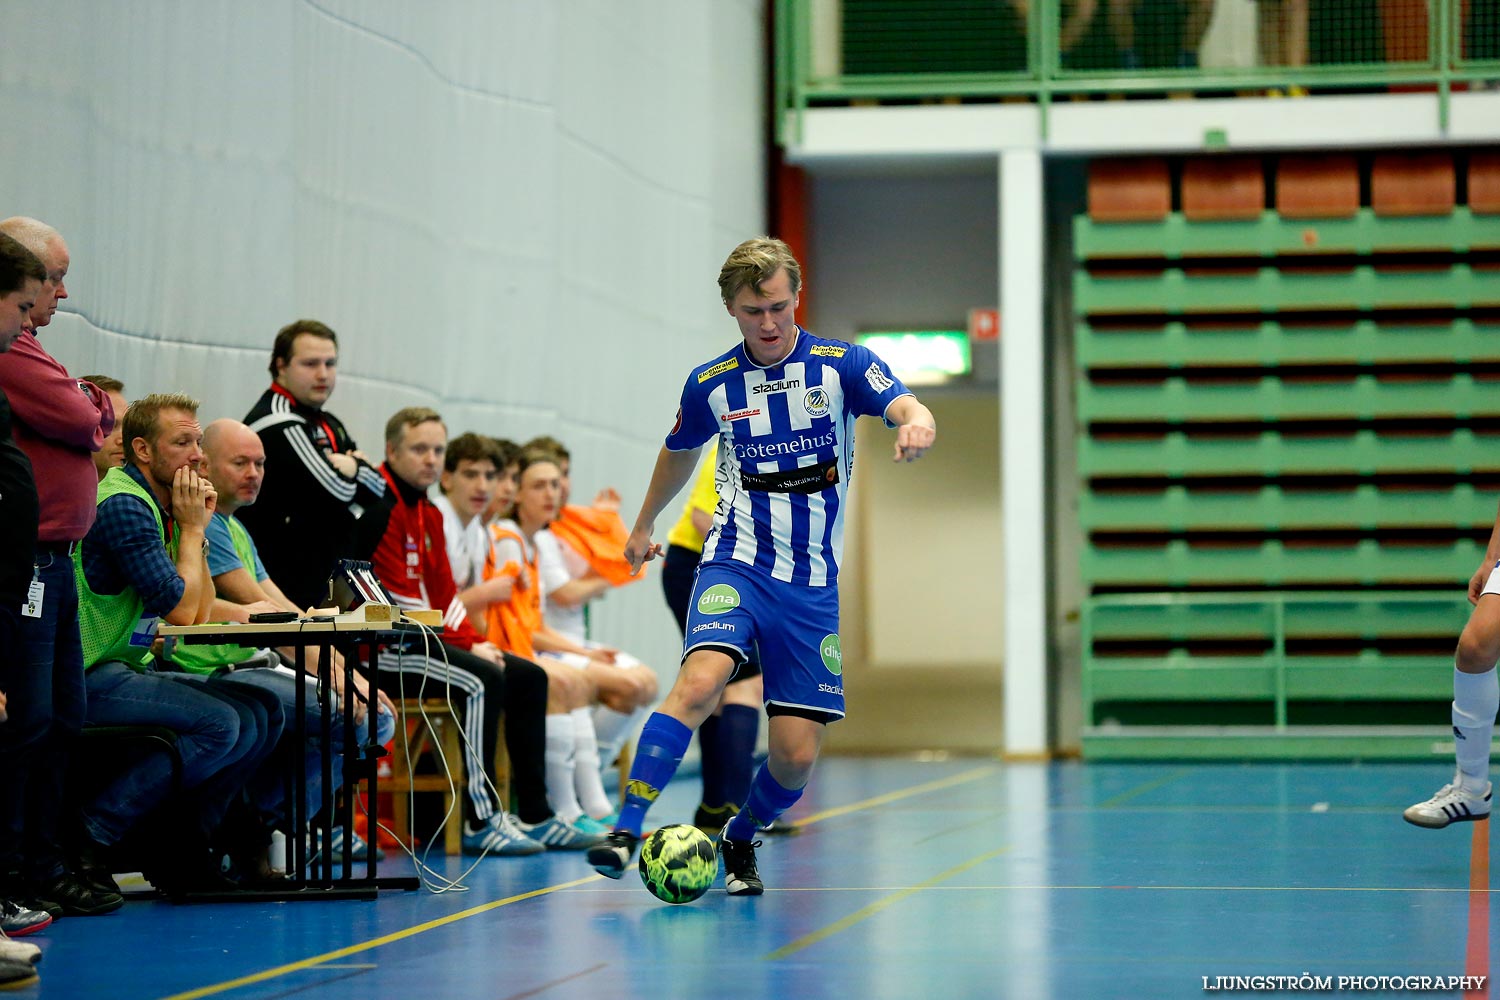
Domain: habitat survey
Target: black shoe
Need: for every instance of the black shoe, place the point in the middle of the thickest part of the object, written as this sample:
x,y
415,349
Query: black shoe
x,y
92,865
77,898
740,875
780,828
711,819
611,857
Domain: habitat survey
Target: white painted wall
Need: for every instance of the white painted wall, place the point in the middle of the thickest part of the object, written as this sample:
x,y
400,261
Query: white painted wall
x,y
512,210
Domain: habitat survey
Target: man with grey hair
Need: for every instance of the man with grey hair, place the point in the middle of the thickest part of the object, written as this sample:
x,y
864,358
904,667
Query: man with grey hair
x,y
59,423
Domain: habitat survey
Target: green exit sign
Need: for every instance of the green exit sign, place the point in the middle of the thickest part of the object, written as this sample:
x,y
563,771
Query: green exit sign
x,y
922,357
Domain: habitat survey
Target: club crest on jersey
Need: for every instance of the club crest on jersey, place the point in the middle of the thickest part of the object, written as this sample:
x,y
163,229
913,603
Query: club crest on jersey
x,y
718,369
815,401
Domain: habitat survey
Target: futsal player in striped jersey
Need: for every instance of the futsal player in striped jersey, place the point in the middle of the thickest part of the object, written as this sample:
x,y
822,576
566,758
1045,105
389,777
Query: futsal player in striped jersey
x,y
783,405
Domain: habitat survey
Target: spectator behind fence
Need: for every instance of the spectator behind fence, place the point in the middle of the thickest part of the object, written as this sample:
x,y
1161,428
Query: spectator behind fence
x,y
59,422
317,484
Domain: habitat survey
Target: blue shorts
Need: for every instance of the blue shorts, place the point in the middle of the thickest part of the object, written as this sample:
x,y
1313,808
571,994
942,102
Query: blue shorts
x,y
791,630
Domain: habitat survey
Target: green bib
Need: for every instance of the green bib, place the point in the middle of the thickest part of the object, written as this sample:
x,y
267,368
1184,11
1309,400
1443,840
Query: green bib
x,y
115,627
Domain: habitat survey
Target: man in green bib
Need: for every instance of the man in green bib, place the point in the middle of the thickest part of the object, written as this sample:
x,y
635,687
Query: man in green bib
x,y
141,563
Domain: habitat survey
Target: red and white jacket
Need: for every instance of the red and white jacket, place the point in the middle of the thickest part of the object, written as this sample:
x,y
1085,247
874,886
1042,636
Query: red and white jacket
x,y
411,560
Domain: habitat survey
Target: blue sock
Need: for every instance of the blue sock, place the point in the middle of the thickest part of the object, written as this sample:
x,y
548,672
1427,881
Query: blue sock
x,y
768,800
737,731
659,750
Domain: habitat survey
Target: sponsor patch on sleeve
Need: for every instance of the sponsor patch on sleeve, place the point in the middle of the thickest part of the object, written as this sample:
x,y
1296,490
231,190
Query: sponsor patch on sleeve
x,y
828,351
718,369
875,377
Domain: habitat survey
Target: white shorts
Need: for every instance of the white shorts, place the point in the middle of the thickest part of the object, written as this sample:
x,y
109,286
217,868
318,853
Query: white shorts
x,y
1492,583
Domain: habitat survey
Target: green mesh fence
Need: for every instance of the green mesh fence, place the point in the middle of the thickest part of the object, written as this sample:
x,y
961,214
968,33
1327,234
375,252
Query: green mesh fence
x,y
1120,37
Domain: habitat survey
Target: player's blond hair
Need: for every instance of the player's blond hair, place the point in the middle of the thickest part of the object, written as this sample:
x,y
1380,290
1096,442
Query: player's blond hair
x,y
753,263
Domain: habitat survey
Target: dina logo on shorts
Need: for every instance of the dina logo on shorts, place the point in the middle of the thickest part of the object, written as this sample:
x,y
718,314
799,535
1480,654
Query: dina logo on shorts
x,y
833,654
719,598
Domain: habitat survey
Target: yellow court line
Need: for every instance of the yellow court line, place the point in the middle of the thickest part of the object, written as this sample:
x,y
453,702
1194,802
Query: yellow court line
x,y
355,949
880,904
881,800
1149,786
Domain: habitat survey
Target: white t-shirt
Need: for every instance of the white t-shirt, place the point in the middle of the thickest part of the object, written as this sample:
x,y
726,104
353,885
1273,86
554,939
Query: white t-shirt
x,y
558,564
468,546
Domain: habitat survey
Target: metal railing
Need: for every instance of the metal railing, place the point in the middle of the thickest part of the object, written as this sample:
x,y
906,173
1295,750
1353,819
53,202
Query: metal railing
x,y
1437,45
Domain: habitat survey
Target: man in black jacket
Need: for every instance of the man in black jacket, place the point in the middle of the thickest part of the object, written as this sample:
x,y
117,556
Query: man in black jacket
x,y
317,483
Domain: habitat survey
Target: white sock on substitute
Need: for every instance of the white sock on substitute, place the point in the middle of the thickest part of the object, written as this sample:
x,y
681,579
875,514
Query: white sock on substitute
x,y
560,762
1476,697
613,729
586,780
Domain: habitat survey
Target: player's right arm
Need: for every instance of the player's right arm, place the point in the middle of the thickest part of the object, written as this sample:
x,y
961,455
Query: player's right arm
x,y
672,472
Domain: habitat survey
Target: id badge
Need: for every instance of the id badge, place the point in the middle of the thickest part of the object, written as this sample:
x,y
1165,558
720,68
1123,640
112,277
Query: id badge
x,y
144,633
33,606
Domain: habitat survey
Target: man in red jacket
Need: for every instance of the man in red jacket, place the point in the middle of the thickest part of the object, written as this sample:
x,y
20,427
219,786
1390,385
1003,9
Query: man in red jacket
x,y
411,561
59,422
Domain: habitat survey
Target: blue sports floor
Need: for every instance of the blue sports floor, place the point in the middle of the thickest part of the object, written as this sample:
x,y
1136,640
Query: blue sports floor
x,y
958,878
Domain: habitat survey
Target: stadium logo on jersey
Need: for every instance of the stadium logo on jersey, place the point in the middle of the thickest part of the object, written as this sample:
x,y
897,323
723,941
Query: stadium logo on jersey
x,y
837,689
828,351
719,598
718,369
832,653
713,627
874,376
740,415
815,402
781,386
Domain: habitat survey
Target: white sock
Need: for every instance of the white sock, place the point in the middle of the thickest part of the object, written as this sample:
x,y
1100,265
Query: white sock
x,y
559,758
613,729
586,780
1476,698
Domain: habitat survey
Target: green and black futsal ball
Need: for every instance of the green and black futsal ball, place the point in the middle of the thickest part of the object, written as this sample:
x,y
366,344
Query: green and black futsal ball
x,y
678,863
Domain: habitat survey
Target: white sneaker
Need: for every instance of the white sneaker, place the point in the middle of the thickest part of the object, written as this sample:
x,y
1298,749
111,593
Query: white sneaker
x,y
1451,804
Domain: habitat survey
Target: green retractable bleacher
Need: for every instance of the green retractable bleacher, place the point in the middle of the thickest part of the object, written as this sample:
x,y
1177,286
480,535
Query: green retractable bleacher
x,y
1288,400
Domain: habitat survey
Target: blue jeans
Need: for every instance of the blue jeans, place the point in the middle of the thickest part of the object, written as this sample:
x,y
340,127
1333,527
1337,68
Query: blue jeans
x,y
209,740
283,684
44,682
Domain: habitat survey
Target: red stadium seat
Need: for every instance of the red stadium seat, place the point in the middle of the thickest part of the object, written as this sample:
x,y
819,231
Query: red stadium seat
x,y
1215,188
1484,183
1413,184
1134,190
1317,187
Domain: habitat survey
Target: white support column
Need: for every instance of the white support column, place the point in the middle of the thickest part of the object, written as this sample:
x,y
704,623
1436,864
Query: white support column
x,y
1023,441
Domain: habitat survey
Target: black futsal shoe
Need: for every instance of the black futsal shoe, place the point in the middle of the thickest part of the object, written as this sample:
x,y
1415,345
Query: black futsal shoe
x,y
612,856
740,875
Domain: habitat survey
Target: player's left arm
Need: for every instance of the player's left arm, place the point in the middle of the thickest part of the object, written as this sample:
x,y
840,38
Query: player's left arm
x,y
916,430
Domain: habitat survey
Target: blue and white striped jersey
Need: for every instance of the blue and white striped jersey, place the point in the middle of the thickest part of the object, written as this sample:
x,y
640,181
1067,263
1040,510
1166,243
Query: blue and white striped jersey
x,y
786,450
